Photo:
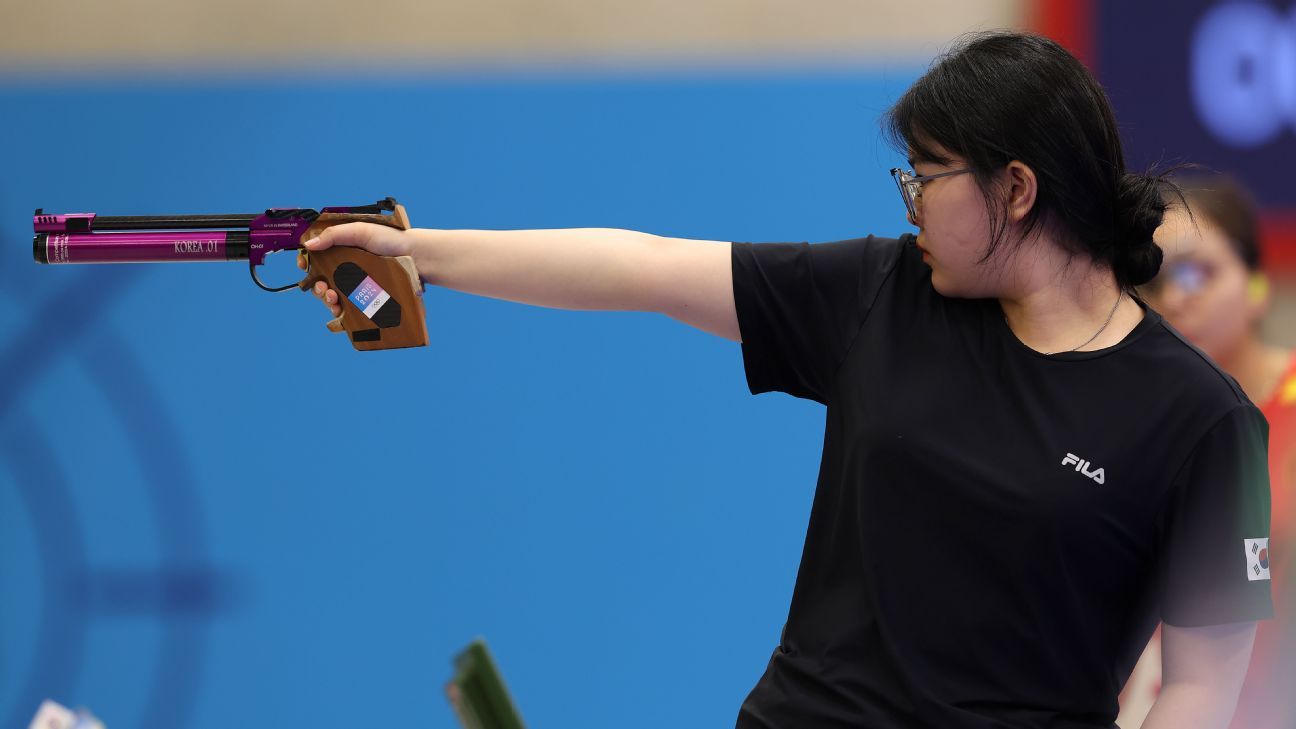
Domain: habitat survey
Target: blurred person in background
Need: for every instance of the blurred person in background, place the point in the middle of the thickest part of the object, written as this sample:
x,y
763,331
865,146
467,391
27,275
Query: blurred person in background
x,y
1001,516
1213,289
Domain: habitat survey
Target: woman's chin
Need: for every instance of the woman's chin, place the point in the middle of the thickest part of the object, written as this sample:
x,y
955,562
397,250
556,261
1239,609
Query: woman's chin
x,y
941,283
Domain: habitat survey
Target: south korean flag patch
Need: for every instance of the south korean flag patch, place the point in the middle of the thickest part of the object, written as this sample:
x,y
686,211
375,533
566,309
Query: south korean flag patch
x,y
1257,552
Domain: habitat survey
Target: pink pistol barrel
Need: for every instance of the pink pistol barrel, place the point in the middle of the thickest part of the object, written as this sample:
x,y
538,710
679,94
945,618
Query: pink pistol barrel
x,y
382,302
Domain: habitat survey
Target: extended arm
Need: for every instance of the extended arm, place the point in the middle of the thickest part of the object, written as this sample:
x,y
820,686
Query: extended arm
x,y
583,268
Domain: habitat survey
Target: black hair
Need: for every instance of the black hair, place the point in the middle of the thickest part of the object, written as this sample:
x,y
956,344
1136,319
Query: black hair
x,y
1003,96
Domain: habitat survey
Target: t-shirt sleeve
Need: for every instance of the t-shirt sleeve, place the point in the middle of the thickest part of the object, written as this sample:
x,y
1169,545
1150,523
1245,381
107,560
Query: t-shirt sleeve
x,y
800,306
1214,533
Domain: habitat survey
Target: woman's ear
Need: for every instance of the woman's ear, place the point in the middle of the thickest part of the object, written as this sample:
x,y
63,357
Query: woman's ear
x,y
1022,188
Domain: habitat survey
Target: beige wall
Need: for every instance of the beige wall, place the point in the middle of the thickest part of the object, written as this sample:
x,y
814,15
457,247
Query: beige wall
x,y
90,35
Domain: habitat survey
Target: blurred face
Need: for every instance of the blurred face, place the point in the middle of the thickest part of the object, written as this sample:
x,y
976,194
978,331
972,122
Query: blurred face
x,y
1203,286
954,230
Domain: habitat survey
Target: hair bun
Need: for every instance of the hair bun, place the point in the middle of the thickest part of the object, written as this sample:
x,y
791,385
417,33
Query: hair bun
x,y
1139,210
1136,264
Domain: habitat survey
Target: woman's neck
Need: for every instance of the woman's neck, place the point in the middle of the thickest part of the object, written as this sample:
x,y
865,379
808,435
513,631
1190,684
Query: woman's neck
x,y
1057,302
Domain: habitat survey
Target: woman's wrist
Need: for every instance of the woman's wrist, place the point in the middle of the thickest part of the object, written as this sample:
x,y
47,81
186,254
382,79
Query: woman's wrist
x,y
423,244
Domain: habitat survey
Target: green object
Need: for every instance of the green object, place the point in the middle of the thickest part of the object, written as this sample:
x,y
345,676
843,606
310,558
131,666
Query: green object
x,y
477,692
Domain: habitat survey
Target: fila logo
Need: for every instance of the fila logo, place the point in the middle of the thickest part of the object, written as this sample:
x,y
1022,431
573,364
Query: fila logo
x,y
1082,466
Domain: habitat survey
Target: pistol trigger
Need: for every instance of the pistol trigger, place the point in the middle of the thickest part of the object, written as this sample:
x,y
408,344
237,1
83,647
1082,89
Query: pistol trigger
x,y
252,270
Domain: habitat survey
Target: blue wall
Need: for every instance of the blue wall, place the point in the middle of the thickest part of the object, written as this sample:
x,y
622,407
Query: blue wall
x,y
215,513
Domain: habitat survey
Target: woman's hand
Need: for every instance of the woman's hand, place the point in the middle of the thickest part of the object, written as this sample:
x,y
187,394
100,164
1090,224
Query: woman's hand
x,y
379,239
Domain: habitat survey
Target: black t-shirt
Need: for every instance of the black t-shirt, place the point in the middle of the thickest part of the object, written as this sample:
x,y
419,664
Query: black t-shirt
x,y
995,532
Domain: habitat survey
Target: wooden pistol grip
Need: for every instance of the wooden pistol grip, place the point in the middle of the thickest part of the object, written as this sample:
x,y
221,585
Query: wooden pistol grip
x,y
344,269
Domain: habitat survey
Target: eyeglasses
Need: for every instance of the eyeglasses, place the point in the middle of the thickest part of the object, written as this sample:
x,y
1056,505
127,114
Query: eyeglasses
x,y
911,186
1189,275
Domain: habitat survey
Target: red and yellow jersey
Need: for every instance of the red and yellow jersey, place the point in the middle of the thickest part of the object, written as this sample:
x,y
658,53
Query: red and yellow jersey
x,y
1280,411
